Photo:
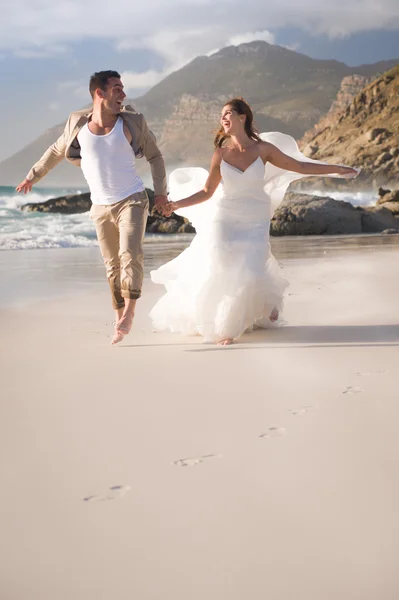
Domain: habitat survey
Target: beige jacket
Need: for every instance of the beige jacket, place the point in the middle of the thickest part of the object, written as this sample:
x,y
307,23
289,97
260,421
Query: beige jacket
x,y
67,146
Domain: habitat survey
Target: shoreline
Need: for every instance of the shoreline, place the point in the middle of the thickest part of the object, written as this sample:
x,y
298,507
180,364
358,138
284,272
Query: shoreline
x,y
36,275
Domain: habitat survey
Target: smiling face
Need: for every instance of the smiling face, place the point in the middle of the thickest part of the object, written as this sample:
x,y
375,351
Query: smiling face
x,y
113,96
231,121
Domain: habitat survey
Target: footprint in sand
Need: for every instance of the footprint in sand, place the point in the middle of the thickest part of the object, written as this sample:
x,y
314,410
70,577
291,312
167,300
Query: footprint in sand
x,y
273,432
368,373
190,462
301,410
352,390
115,492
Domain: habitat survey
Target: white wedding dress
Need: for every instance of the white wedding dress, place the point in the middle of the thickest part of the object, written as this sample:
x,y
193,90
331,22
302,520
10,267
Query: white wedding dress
x,y
227,281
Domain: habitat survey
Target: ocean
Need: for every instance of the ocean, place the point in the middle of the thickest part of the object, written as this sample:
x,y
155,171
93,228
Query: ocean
x,y
29,231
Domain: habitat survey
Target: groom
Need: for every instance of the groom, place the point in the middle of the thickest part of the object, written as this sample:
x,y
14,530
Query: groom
x,y
104,141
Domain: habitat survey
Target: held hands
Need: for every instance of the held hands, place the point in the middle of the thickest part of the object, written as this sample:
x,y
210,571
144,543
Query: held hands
x,y
160,201
25,186
164,207
168,208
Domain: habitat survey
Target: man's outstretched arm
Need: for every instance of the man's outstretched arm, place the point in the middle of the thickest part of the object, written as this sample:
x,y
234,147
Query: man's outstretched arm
x,y
49,160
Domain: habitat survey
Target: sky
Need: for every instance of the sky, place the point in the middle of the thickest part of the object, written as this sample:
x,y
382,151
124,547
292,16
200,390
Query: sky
x,y
49,48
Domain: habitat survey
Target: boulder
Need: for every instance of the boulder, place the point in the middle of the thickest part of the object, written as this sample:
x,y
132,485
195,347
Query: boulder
x,y
70,204
384,157
377,219
378,134
383,192
393,207
303,214
67,205
157,223
386,196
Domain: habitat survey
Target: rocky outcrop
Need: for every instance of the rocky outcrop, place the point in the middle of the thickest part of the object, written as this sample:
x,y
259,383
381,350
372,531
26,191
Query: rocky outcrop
x,y
303,214
174,224
389,200
65,205
80,203
376,219
365,134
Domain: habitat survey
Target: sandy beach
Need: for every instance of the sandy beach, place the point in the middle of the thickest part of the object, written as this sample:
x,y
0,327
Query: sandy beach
x,y
164,468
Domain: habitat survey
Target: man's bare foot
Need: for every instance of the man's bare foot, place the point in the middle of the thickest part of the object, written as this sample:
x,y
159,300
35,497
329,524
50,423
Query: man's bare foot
x,y
274,315
118,337
226,342
122,328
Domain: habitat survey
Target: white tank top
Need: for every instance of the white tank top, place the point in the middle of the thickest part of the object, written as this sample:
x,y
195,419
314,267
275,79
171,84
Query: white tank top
x,y
108,164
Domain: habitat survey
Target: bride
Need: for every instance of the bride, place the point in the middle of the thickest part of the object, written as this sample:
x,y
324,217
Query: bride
x,y
227,281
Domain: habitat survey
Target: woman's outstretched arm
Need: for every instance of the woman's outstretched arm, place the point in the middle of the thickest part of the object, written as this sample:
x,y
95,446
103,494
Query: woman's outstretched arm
x,y
207,191
272,154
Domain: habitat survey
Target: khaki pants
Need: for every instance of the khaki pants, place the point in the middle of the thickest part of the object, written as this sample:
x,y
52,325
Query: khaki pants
x,y
120,231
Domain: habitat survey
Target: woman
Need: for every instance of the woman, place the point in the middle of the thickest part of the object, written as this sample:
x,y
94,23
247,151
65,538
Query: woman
x,y
228,281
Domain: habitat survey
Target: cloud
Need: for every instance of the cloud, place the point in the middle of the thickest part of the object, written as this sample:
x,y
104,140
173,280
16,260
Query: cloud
x,y
245,38
140,81
68,85
77,88
38,52
179,29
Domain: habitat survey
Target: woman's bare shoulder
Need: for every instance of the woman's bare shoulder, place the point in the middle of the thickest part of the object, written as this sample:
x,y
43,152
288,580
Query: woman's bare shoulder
x,y
264,148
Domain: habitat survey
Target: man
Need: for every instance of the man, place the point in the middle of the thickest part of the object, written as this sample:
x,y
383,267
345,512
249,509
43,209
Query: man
x,y
104,141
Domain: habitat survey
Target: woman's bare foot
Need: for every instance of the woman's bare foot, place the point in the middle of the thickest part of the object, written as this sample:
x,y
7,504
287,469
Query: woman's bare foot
x,y
226,342
274,315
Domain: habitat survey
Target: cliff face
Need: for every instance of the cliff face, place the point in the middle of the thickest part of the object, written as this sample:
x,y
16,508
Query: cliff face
x,y
350,87
364,134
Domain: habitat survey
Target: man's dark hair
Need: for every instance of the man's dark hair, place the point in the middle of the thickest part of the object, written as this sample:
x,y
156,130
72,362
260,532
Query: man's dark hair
x,y
100,80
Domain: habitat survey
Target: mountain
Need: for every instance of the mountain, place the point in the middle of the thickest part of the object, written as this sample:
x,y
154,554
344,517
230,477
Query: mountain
x,y
365,134
288,91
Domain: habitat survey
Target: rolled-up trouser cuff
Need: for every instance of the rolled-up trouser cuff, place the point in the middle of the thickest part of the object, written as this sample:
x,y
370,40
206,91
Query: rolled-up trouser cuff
x,y
133,295
118,305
